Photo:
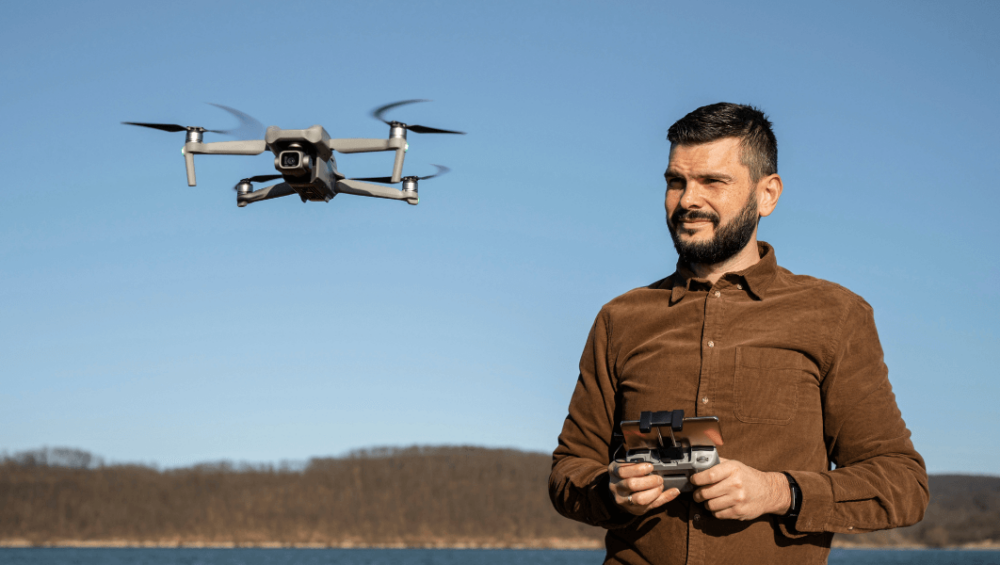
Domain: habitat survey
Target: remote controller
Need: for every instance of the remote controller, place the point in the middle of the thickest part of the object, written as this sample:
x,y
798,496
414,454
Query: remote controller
x,y
676,472
677,447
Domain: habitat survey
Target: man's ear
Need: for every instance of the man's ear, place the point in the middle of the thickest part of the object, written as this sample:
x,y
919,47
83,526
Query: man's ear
x,y
768,192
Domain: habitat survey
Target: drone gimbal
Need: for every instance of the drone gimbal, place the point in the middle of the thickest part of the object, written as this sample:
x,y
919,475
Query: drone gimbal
x,y
304,159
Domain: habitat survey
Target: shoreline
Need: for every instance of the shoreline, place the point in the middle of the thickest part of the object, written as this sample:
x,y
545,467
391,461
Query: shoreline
x,y
567,544
559,544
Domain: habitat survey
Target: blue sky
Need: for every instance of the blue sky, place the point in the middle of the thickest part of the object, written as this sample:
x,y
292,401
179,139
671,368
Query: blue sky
x,y
145,320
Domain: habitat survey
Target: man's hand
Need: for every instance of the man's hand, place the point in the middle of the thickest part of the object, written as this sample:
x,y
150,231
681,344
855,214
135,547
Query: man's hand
x,y
635,489
733,491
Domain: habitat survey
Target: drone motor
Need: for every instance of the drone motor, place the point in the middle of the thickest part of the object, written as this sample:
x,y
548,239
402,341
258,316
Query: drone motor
x,y
410,184
245,186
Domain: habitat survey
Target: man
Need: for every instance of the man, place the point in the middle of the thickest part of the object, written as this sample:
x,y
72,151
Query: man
x,y
791,365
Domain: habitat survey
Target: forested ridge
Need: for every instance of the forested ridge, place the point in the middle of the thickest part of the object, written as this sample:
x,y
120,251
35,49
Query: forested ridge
x,y
417,496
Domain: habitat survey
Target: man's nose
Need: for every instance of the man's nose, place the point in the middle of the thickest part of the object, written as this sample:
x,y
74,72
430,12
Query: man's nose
x,y
691,198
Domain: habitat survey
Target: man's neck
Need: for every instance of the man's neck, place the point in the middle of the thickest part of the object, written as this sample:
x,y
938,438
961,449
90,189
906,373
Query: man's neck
x,y
746,258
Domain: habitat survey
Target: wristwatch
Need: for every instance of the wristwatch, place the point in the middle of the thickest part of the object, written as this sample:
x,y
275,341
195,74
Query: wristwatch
x,y
796,505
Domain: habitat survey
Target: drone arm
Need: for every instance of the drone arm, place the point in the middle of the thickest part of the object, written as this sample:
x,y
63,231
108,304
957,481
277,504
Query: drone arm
x,y
397,144
266,193
367,145
244,147
362,188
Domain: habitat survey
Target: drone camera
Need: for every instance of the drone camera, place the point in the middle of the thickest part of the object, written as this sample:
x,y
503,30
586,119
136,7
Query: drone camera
x,y
293,162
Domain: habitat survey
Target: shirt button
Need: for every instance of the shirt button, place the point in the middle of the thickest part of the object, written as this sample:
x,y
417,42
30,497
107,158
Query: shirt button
x,y
704,400
697,516
718,294
711,344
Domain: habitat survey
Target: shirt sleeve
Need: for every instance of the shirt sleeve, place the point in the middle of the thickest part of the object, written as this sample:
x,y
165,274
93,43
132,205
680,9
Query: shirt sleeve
x,y
578,483
880,481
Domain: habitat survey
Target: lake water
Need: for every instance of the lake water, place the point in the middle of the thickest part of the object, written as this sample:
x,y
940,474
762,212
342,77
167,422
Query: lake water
x,y
130,556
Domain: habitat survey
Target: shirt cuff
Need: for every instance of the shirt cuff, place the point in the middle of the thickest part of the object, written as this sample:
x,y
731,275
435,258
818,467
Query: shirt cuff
x,y
618,517
817,504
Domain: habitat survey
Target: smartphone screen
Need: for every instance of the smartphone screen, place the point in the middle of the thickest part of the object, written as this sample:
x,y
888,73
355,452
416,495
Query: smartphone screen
x,y
701,431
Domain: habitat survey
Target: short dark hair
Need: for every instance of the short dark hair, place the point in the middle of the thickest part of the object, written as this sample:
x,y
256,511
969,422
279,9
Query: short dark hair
x,y
721,120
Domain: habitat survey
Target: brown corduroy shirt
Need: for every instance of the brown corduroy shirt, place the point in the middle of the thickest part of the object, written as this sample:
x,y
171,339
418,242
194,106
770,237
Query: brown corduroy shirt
x,y
792,367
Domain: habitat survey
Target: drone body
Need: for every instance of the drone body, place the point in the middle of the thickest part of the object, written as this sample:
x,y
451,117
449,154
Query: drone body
x,y
304,159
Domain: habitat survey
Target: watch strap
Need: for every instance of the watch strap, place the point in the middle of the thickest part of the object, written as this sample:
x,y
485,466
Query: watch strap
x,y
796,492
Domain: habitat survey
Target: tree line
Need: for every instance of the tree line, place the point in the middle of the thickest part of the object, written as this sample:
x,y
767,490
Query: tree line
x,y
416,496
410,496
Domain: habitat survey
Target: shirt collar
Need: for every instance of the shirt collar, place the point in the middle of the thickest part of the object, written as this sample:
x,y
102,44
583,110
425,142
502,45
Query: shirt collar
x,y
756,278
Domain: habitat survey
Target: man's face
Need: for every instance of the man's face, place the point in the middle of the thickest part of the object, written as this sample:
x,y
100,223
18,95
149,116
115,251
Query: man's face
x,y
711,201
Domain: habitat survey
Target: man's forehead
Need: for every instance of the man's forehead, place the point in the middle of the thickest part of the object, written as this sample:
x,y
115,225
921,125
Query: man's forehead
x,y
718,155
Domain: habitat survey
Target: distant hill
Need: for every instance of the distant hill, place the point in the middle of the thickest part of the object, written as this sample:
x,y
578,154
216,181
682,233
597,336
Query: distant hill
x,y
417,496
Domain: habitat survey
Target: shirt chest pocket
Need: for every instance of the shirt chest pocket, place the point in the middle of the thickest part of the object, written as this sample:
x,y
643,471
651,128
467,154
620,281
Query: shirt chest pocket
x,y
766,384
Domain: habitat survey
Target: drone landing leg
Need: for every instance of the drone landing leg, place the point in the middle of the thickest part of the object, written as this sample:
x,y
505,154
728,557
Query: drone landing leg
x,y
266,193
397,166
244,147
189,165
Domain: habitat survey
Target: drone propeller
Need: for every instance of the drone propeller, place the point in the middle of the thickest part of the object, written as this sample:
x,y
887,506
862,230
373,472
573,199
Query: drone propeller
x,y
247,124
388,180
381,110
262,178
172,127
258,178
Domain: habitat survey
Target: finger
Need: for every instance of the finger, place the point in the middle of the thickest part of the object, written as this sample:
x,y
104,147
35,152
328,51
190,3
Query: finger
x,y
665,497
635,486
720,504
643,483
713,475
635,470
697,495
726,514
726,487
645,497
734,512
615,466
634,502
710,492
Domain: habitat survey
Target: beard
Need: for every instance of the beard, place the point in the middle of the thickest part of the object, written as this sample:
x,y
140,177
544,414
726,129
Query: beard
x,y
728,240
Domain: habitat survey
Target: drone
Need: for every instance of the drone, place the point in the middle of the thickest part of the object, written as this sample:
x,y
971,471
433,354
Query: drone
x,y
304,159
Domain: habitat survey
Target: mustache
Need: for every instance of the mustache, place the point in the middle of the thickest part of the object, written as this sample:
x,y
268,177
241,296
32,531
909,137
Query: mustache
x,y
682,215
